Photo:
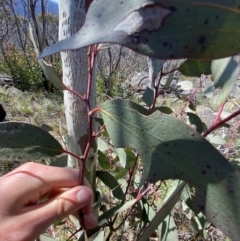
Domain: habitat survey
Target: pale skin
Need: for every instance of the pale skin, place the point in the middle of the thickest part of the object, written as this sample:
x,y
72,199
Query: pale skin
x,y
23,213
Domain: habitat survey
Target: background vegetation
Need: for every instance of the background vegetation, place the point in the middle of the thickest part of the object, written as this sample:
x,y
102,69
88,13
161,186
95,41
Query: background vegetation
x,y
120,73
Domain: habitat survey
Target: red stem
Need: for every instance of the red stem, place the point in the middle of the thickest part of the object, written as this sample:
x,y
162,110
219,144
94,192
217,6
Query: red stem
x,y
75,93
220,123
217,119
72,154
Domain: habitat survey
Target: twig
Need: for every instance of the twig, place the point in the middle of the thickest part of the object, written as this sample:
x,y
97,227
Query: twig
x,y
220,123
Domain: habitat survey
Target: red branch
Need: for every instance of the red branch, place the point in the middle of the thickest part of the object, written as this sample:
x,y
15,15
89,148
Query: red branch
x,y
220,123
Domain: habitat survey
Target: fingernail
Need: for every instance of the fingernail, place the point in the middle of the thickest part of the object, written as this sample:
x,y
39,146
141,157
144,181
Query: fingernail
x,y
83,195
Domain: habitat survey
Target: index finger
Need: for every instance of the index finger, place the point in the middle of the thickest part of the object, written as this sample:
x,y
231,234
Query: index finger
x,y
32,178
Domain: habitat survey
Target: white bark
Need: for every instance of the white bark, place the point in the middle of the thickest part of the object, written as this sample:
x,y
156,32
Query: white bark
x,y
75,73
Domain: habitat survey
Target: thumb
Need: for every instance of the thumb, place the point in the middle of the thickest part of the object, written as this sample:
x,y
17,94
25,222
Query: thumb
x,y
63,205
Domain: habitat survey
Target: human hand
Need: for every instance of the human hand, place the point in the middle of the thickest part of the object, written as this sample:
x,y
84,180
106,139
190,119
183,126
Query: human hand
x,y
23,217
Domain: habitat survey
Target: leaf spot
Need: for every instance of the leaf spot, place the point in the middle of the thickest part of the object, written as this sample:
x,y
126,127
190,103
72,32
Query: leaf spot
x,y
165,44
202,40
203,172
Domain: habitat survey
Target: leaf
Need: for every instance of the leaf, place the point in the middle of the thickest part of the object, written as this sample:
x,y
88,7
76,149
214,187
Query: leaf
x,y
99,120
126,157
103,219
23,142
102,145
209,91
191,106
199,220
185,85
169,202
46,127
216,139
195,68
48,69
103,161
112,183
169,81
170,149
164,109
113,211
169,229
121,173
154,66
202,29
195,120
51,75
148,96
225,73
122,156
61,161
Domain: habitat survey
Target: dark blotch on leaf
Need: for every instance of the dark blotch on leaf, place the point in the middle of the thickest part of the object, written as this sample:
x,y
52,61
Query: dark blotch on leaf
x,y
202,40
172,8
208,166
216,173
230,191
206,21
203,172
165,44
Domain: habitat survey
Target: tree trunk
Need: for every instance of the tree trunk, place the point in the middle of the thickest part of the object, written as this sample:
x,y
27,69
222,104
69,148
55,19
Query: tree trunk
x,y
75,74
